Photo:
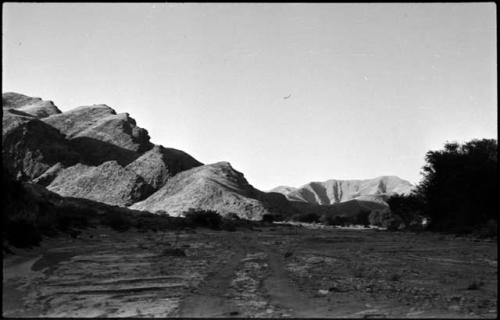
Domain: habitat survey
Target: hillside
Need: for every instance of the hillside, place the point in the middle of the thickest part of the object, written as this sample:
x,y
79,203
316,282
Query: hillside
x,y
212,187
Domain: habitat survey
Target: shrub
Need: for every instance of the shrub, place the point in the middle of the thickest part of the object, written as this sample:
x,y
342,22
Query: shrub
x,y
228,225
336,221
306,217
203,218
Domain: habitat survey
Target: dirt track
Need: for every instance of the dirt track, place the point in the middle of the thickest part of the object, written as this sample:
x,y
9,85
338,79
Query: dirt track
x,y
275,272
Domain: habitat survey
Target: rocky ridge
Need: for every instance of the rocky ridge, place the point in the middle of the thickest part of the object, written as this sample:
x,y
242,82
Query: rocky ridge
x,y
336,191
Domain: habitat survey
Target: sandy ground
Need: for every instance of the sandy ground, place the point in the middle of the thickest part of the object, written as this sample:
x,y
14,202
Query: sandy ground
x,y
280,271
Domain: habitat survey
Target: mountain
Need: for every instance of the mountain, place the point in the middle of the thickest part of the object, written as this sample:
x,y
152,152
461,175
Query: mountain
x,y
95,153
88,152
336,191
216,187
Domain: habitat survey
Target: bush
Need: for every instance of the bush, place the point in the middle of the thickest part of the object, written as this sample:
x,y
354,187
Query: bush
x,y
203,218
306,217
228,225
337,221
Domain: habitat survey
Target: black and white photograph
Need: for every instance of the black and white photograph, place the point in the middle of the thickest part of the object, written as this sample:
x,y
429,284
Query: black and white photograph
x,y
249,160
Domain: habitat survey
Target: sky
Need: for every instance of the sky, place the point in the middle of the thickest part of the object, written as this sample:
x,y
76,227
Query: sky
x,y
287,93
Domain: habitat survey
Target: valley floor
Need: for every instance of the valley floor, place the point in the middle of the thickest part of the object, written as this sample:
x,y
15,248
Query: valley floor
x,y
279,271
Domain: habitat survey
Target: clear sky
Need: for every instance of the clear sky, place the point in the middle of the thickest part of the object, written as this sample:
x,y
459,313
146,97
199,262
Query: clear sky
x,y
371,88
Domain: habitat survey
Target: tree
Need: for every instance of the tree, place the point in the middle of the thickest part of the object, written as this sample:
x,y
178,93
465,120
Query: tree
x,y
459,186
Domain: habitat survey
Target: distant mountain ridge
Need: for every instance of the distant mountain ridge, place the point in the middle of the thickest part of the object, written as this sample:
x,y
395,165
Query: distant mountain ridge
x,y
336,191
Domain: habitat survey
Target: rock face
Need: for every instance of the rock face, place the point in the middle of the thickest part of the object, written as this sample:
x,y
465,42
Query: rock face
x,y
99,134
159,164
336,191
210,187
108,183
30,146
34,106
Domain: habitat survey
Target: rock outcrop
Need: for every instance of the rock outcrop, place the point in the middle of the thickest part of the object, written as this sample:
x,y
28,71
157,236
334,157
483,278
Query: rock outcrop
x,y
99,134
157,165
34,106
108,183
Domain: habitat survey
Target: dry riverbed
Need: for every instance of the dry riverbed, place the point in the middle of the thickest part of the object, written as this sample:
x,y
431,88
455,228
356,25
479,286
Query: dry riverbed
x,y
279,271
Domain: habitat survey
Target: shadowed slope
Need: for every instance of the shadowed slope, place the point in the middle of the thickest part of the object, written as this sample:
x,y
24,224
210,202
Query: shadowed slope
x,y
30,146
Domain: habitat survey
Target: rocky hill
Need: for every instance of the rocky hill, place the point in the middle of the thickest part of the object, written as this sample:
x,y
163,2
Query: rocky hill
x,y
216,187
336,191
88,152
94,153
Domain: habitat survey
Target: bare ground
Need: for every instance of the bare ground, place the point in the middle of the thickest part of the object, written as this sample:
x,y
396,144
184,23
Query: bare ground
x,y
281,271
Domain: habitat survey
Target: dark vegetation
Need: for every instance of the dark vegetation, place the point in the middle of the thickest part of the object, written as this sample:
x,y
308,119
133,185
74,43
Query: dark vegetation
x,y
458,192
409,208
